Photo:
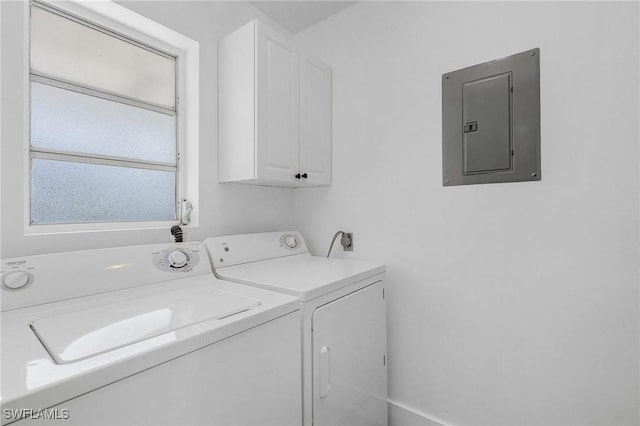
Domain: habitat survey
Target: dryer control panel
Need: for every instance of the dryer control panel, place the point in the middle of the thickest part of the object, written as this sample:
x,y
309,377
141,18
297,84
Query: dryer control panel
x,y
246,248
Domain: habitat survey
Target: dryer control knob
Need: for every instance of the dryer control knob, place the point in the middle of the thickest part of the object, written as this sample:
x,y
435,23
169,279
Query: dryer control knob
x,y
177,259
16,279
291,241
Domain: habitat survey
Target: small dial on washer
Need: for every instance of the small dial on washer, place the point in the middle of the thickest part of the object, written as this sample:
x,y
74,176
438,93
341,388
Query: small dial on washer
x,y
16,279
291,241
177,259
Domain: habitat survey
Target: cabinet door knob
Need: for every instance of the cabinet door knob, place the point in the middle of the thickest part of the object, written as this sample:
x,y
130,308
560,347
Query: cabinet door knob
x,y
304,175
297,176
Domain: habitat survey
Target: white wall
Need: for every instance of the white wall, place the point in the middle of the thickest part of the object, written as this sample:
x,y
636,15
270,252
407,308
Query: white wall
x,y
508,303
225,208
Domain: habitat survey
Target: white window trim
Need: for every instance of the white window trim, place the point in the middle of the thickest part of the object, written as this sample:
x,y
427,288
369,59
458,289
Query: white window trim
x,y
128,23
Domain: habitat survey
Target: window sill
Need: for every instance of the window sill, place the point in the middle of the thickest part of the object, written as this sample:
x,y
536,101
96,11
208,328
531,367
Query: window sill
x,y
34,230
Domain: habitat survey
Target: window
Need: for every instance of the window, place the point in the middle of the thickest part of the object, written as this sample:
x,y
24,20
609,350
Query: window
x,y
108,134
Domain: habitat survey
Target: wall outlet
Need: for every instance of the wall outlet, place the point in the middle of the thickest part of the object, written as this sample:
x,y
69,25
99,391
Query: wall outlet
x,y
347,241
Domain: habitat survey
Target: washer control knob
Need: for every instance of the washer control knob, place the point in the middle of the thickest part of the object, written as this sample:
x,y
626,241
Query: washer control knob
x,y
291,241
177,259
16,279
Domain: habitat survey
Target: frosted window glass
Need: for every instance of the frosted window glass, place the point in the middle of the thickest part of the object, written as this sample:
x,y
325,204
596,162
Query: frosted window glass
x,y
68,121
77,53
66,192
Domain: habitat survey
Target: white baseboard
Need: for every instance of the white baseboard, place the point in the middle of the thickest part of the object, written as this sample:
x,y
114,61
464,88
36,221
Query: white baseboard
x,y
401,415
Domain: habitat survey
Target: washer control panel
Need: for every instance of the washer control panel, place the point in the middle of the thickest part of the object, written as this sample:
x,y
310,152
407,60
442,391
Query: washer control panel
x,y
289,241
53,277
176,259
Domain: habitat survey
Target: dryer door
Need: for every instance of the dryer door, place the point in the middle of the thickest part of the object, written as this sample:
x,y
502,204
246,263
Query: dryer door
x,y
349,357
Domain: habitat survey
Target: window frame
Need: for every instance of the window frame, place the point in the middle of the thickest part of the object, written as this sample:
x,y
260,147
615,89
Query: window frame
x,y
115,19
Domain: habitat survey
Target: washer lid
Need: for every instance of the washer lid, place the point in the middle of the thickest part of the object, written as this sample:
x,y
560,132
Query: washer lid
x,y
77,335
302,275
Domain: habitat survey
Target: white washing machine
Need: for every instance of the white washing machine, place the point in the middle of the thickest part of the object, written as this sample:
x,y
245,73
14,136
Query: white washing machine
x,y
344,373
144,335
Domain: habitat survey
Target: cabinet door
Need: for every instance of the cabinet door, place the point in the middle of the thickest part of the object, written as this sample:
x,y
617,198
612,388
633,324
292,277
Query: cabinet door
x,y
349,371
315,121
277,106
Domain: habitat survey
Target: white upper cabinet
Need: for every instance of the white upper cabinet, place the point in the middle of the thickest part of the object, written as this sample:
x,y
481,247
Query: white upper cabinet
x,y
277,106
274,111
315,121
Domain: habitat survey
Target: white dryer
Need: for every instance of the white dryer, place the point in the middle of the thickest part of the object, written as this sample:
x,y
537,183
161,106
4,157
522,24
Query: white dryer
x,y
144,335
343,321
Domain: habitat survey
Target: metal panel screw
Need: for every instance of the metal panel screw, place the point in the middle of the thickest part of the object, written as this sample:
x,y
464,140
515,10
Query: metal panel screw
x,y
534,174
446,77
533,53
447,181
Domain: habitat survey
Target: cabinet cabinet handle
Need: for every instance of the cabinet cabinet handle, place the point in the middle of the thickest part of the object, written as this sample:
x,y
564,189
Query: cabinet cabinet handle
x,y
297,176
304,175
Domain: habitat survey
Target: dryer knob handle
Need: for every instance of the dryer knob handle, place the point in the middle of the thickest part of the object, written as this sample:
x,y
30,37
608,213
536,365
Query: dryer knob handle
x,y
297,176
304,176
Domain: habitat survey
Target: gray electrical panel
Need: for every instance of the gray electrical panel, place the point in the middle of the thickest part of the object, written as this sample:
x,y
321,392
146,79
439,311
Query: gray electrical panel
x,y
491,121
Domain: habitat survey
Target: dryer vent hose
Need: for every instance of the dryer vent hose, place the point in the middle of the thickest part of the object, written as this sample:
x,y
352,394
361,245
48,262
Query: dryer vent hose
x,y
176,231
